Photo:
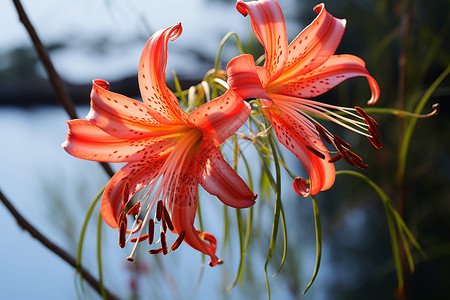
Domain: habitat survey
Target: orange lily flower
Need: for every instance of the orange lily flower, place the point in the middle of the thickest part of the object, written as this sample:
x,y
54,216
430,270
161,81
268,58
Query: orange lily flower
x,y
168,153
292,73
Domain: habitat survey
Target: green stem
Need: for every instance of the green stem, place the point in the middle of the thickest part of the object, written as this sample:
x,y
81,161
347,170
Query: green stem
x,y
412,123
318,227
99,256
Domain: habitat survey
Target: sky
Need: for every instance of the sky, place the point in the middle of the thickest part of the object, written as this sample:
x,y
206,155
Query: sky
x,y
126,27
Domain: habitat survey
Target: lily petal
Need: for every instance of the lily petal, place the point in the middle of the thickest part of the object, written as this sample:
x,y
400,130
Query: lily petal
x,y
292,131
161,102
138,176
184,209
335,70
269,27
220,118
220,180
123,117
314,45
87,141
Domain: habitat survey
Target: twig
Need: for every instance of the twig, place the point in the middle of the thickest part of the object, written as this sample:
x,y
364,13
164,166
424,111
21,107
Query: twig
x,y
25,225
53,76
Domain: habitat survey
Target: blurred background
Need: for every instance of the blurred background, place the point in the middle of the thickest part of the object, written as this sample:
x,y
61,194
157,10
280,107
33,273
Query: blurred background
x,y
405,45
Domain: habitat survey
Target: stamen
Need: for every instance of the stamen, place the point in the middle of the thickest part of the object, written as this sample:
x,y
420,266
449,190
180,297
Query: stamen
x,y
178,241
167,219
164,243
151,231
335,158
354,157
159,210
122,218
342,142
134,209
122,231
315,152
156,251
164,225
361,165
141,238
343,152
322,133
125,192
368,119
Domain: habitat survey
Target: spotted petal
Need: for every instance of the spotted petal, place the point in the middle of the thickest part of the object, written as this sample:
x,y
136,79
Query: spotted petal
x,y
244,77
138,175
87,141
296,133
314,45
161,102
124,117
221,117
269,27
331,73
184,209
220,180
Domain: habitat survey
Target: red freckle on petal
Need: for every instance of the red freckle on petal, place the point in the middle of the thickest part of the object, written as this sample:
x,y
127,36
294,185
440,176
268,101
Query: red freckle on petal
x,y
147,90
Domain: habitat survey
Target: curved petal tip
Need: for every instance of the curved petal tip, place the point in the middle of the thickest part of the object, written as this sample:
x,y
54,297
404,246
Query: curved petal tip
x,y
301,187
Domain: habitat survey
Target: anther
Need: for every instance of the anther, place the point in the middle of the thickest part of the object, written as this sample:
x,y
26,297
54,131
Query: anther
x,y
122,218
354,157
178,241
141,238
164,243
315,152
342,142
167,219
155,251
322,133
361,165
335,158
159,210
164,225
368,119
151,231
125,192
135,209
343,152
122,231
